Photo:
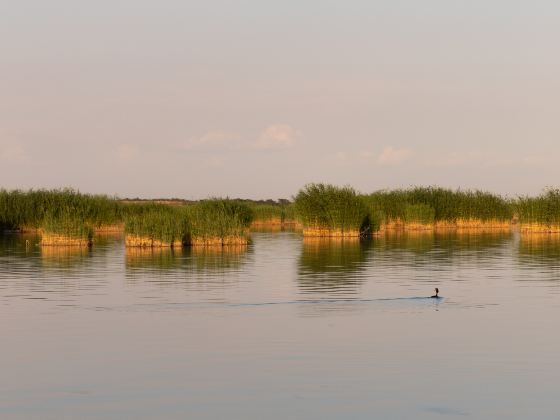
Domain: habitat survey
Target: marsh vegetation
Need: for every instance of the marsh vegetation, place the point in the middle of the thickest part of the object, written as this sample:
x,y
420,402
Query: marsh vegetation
x,y
433,207
273,214
330,211
541,213
68,217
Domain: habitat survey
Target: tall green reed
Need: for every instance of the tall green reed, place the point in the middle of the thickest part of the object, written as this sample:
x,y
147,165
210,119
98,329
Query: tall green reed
x,y
218,218
325,206
543,209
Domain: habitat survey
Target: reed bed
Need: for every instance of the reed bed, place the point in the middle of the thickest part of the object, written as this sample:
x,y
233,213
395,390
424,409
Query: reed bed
x,y
68,217
419,216
50,209
272,214
156,225
330,211
212,222
218,221
65,226
50,239
539,214
63,217
433,207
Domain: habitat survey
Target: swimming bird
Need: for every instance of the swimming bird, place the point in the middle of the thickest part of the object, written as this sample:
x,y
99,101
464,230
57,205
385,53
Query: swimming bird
x,y
436,295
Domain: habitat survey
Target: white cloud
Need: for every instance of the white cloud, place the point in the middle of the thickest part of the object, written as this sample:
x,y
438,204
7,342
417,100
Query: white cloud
x,y
392,156
278,136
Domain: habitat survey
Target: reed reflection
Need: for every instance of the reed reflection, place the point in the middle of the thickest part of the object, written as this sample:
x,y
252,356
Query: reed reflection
x,y
18,244
68,260
219,259
24,250
64,258
542,249
332,264
443,246
31,271
157,258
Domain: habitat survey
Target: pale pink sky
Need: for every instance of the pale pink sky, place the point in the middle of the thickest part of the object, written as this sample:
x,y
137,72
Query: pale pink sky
x,y
255,99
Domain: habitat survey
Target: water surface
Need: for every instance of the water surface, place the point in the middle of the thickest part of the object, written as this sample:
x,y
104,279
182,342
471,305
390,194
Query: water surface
x,y
284,328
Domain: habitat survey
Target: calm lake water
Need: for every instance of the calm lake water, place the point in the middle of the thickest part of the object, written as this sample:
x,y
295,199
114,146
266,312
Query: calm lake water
x,y
283,329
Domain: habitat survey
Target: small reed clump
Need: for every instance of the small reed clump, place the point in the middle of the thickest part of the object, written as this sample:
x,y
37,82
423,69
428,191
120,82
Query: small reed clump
x,y
273,214
330,211
539,214
419,217
62,227
156,225
28,210
49,239
428,208
217,222
213,222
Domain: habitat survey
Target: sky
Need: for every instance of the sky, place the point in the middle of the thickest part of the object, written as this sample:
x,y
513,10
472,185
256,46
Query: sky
x,y
255,98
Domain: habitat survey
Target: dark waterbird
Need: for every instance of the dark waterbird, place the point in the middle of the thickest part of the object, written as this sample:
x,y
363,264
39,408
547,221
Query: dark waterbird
x,y
436,295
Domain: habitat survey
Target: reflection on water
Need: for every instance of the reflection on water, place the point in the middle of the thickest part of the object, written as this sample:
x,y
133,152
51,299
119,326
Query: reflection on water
x,y
219,259
13,244
64,257
214,259
58,274
77,259
282,328
137,258
335,265
444,242
332,264
442,248
417,242
212,269
540,247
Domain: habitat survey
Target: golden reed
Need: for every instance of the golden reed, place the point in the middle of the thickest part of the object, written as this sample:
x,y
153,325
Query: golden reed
x,y
331,233
116,228
459,224
539,228
231,250
275,221
147,242
49,239
218,241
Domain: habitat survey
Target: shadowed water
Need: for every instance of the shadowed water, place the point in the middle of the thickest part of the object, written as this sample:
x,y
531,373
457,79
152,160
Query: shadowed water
x,y
284,328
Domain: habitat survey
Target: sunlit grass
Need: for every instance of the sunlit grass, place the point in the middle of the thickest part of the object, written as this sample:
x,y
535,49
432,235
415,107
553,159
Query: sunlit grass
x,y
541,213
440,206
327,210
